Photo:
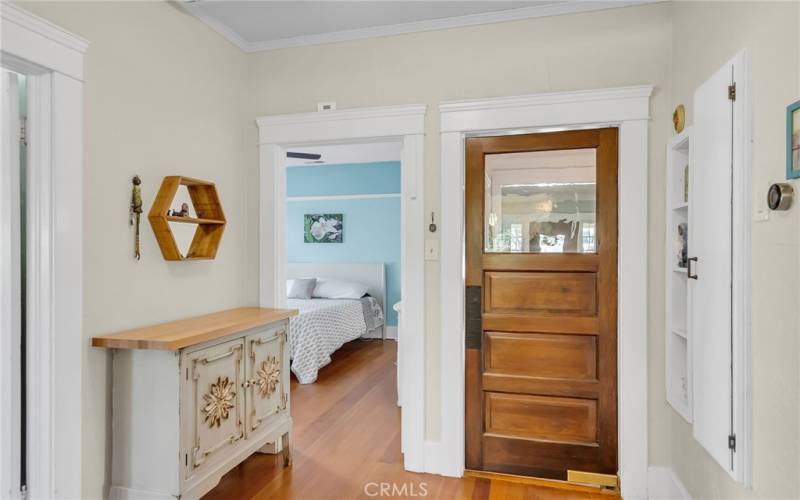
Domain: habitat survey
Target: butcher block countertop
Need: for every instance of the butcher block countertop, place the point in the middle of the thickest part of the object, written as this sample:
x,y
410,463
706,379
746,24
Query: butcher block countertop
x,y
192,331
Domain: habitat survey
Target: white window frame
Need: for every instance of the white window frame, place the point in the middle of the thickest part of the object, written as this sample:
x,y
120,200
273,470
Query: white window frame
x,y
52,58
405,124
624,107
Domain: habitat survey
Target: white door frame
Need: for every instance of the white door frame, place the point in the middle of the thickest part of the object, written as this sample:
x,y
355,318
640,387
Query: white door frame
x,y
406,124
626,108
52,58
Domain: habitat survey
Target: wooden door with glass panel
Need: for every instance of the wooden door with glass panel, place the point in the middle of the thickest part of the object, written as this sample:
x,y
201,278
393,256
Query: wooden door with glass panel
x,y
541,302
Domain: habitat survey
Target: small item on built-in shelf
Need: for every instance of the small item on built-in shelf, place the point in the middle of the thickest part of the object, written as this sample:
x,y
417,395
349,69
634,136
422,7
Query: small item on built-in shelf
x,y
683,240
686,183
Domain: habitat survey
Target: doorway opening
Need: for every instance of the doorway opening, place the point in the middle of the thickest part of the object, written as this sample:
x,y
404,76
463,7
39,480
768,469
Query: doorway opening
x,y
343,248
398,129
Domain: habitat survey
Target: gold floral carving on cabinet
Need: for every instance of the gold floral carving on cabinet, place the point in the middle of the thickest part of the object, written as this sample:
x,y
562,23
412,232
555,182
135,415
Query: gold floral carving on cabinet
x,y
268,376
218,401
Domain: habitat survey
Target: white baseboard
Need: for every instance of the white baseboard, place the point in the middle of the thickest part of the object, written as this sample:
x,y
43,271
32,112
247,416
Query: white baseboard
x,y
664,484
122,493
391,333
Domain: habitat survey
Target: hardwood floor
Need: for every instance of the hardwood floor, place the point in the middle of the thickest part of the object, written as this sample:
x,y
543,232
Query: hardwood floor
x,y
347,445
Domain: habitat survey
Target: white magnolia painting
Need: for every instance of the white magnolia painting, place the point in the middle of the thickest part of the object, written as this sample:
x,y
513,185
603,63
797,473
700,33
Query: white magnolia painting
x,y
322,228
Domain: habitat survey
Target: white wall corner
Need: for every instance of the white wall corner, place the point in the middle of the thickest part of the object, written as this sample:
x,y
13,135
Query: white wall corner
x,y
664,484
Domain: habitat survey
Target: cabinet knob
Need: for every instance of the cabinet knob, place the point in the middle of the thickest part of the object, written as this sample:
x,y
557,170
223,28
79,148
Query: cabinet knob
x,y
246,384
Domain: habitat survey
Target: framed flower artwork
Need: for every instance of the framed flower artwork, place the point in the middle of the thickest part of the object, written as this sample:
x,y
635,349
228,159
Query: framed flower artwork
x,y
323,228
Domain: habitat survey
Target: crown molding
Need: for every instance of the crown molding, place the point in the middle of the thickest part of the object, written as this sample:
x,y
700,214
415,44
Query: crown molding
x,y
19,16
555,9
223,29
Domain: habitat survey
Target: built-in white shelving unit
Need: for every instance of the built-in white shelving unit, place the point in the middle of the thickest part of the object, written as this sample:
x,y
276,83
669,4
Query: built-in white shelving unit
x,y
678,343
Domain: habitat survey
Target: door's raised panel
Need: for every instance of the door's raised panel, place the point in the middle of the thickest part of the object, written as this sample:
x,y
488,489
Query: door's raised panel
x,y
551,356
541,292
554,419
267,377
216,402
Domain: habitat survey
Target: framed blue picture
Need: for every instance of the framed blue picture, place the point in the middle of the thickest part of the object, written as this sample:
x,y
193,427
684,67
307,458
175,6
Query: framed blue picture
x,y
793,141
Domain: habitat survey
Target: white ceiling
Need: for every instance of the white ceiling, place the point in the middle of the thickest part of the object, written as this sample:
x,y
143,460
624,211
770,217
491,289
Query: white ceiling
x,y
264,25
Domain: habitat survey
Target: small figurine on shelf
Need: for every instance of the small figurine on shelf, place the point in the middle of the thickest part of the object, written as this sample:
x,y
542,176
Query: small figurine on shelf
x,y
683,244
183,213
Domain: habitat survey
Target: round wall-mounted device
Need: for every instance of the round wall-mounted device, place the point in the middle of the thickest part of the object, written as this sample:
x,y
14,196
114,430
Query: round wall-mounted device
x,y
780,196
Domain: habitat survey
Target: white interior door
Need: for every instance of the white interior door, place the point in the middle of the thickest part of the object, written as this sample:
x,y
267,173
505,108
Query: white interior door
x,y
10,297
711,244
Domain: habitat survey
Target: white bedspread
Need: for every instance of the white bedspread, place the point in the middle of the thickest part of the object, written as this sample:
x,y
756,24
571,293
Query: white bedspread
x,y
323,326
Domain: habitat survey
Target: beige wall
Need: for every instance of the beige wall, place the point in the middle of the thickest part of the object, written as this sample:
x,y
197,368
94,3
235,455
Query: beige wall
x,y
586,51
166,95
162,97
704,37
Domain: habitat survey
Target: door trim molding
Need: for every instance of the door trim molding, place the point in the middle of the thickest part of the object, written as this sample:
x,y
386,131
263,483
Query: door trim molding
x,y
406,125
626,108
52,58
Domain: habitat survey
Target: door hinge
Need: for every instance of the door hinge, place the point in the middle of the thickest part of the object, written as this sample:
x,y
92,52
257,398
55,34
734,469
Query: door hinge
x,y
732,442
186,459
23,130
732,92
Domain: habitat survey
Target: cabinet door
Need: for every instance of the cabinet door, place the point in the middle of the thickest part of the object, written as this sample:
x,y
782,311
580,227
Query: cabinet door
x,y
215,399
716,248
267,376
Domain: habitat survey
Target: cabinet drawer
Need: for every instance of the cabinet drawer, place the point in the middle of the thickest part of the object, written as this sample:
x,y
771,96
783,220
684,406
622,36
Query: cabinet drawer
x,y
267,372
214,398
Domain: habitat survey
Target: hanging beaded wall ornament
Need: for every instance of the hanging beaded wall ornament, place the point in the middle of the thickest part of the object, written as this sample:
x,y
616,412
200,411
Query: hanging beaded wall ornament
x,y
136,212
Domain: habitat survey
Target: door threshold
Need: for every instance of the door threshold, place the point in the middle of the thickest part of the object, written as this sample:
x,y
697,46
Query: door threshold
x,y
536,481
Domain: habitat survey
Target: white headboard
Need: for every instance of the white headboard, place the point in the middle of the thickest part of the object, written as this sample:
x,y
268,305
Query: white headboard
x,y
372,275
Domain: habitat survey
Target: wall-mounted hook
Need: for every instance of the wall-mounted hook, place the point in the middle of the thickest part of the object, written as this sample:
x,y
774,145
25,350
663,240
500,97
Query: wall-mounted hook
x,y
432,226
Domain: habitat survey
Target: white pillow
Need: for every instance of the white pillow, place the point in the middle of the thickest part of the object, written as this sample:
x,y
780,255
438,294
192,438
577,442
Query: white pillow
x,y
335,289
301,288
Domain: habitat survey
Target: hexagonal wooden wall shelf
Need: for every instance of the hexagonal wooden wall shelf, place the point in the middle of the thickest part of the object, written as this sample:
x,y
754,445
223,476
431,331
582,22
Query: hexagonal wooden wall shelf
x,y
210,218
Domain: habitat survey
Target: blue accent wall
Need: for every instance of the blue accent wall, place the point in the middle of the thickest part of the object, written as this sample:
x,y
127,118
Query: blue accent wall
x,y
371,226
357,178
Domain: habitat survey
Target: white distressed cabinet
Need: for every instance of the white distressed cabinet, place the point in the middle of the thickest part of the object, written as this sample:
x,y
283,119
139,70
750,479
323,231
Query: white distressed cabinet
x,y
194,398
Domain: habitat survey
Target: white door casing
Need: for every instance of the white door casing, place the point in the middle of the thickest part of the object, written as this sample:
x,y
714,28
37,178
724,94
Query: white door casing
x,y
626,108
52,60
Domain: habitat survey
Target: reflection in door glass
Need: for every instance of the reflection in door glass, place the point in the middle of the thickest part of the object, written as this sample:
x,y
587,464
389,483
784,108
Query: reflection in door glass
x,y
541,202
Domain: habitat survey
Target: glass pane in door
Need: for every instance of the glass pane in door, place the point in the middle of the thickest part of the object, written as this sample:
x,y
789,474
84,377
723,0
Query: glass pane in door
x,y
541,202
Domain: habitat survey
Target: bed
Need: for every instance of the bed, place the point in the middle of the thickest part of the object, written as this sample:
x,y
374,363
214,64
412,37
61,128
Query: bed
x,y
324,325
